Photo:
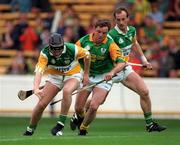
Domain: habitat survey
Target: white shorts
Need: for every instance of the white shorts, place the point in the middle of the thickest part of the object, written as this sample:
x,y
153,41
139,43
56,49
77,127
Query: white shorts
x,y
122,75
58,80
104,85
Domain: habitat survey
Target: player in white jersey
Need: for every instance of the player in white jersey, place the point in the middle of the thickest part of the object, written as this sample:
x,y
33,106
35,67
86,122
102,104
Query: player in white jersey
x,y
125,38
60,60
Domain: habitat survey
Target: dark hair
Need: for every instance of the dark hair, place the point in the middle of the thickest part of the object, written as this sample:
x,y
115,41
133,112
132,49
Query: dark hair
x,y
119,10
103,23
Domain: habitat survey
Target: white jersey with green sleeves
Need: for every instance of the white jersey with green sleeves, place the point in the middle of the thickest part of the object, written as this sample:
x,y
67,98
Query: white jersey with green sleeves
x,y
66,61
123,40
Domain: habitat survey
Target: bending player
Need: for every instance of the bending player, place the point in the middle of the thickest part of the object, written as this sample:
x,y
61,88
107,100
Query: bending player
x,y
64,72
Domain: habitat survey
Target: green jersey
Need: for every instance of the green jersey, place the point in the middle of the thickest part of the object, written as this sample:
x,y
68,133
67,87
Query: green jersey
x,y
103,56
123,40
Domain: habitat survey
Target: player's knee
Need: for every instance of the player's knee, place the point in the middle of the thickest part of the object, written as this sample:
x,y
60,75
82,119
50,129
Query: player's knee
x,y
66,92
41,105
144,92
93,107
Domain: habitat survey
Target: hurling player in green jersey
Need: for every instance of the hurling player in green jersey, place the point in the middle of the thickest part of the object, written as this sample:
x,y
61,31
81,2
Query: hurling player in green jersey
x,y
125,38
106,61
60,60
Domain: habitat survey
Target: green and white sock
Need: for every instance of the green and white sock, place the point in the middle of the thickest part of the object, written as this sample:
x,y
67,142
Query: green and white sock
x,y
62,119
148,118
31,128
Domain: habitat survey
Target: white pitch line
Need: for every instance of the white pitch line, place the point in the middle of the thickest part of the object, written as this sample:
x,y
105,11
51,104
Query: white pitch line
x,y
63,137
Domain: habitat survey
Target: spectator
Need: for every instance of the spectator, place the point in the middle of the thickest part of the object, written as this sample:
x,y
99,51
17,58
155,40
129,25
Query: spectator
x,y
92,21
173,13
39,28
7,41
123,3
140,10
5,1
23,6
177,9
161,37
148,31
153,54
29,39
79,30
31,62
156,14
69,35
39,24
19,28
174,52
18,65
68,15
61,27
44,37
41,6
166,63
164,5
48,20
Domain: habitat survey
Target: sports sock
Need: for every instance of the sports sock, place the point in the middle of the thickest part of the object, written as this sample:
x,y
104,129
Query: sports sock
x,y
80,115
84,127
62,119
148,118
31,128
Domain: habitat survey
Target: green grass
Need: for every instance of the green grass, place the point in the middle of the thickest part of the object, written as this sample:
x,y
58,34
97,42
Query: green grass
x,y
101,132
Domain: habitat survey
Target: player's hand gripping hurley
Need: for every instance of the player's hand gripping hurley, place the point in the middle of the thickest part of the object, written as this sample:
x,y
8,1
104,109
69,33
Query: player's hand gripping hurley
x,y
80,90
22,94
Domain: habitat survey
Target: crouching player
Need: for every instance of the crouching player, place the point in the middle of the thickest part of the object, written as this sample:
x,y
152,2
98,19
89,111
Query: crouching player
x,y
61,62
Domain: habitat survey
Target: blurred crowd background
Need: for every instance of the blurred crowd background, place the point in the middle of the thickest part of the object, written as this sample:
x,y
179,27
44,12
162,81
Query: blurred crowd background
x,y
25,26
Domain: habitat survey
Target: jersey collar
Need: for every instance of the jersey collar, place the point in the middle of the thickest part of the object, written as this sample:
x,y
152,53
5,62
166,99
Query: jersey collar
x,y
119,31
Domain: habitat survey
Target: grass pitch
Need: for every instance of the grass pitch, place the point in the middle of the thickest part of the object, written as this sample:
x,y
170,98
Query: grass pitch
x,y
102,132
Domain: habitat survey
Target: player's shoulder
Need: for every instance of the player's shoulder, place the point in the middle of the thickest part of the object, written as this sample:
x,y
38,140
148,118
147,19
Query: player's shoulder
x,y
109,40
112,31
85,38
132,28
45,50
69,45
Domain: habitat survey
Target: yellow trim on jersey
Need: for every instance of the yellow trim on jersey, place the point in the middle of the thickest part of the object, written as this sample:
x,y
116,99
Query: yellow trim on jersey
x,y
42,63
126,58
82,52
74,70
78,43
115,52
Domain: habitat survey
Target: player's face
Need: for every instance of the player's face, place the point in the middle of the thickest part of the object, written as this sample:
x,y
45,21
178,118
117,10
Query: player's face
x,y
100,34
121,20
56,52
